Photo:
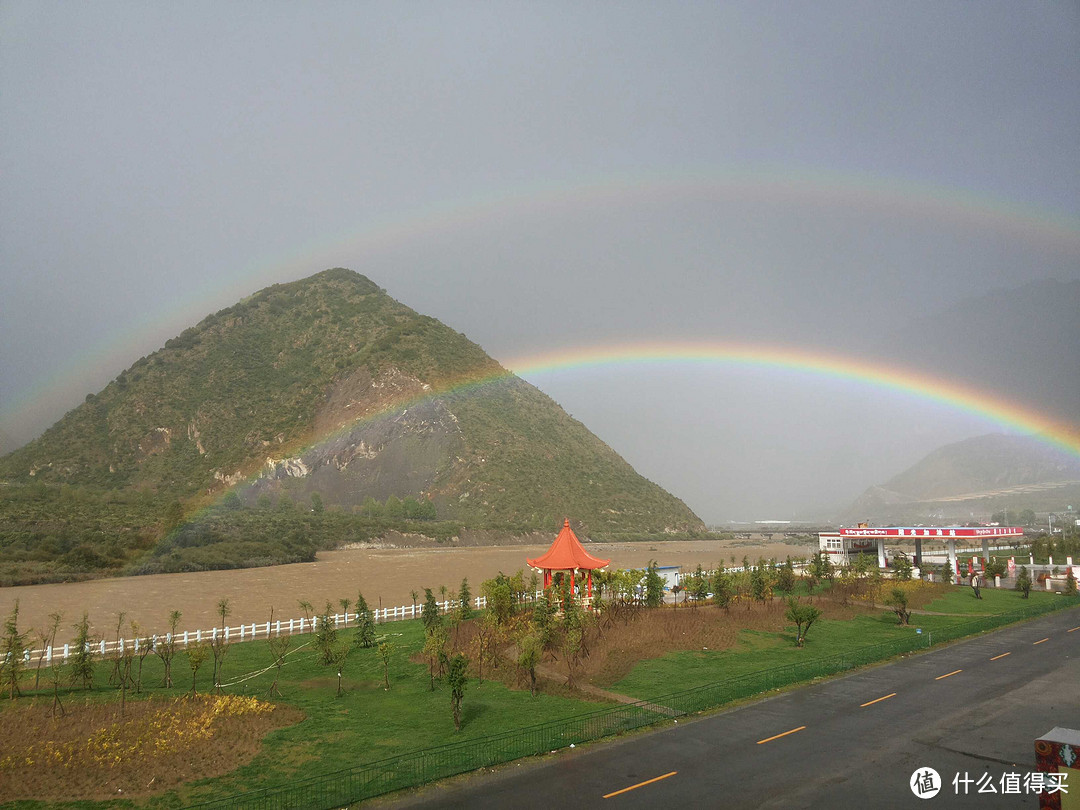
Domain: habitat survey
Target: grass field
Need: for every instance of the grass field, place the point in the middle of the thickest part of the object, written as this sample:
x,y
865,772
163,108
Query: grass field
x,y
757,650
368,723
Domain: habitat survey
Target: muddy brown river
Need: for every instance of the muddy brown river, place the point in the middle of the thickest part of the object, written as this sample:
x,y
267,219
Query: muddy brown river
x,y
384,575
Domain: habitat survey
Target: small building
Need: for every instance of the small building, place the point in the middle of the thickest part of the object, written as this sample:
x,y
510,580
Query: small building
x,y
671,574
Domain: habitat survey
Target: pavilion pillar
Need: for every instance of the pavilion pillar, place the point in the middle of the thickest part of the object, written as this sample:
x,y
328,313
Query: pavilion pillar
x,y
986,550
573,593
950,545
918,552
590,584
880,553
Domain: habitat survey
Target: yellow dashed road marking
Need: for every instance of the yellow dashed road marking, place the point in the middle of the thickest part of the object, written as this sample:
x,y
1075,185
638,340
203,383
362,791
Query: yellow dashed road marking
x,y
639,784
778,736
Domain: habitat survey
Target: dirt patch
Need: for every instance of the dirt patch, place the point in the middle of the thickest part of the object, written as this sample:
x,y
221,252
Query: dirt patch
x,y
385,576
93,753
613,645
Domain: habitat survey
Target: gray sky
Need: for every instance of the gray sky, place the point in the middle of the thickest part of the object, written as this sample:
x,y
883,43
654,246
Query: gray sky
x,y
548,176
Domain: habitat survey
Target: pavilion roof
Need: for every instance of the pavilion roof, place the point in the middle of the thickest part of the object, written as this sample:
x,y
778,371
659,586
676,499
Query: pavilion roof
x,y
566,553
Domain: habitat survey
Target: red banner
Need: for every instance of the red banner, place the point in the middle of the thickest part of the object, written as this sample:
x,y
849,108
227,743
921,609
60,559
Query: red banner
x,y
944,533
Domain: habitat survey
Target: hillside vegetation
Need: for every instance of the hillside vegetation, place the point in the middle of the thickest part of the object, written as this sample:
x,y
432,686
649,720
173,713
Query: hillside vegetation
x,y
325,393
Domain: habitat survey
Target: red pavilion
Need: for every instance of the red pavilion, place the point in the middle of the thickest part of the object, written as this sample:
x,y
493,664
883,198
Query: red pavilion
x,y
569,556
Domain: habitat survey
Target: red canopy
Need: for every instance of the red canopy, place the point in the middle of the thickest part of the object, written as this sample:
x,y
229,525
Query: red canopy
x,y
566,554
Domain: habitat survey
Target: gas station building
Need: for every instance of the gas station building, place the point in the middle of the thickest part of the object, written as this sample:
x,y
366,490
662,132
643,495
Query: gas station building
x,y
843,545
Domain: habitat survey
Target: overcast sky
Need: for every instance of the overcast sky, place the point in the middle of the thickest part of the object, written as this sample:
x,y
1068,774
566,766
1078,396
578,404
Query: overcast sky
x,y
548,175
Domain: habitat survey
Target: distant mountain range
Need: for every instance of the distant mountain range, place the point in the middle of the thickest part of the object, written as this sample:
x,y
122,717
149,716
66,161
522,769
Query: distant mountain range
x,y
328,386
973,479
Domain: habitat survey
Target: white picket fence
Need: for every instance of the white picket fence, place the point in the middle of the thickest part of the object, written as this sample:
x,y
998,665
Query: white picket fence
x,y
252,631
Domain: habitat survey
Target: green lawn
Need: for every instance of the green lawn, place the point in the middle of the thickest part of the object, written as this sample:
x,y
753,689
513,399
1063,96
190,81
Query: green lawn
x,y
762,651
365,724
961,599
368,723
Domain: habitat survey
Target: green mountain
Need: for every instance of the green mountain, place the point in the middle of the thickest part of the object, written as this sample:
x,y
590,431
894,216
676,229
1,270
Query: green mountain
x,y
327,390
973,479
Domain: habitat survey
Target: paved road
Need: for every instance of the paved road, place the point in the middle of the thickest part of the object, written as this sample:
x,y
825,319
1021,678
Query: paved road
x,y
975,707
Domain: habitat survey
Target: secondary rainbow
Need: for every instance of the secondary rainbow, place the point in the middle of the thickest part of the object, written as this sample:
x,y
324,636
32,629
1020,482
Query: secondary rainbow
x,y
916,200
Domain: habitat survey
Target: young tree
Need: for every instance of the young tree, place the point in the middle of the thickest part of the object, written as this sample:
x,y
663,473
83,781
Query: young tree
x,y
571,651
760,587
530,651
543,620
948,575
803,616
484,642
56,675
114,675
721,587
821,566
279,648
465,601
457,677
365,624
197,655
415,597
326,637
395,509
1070,582
317,503
126,657
146,646
1023,581
435,651
430,615
166,649
500,597
903,568
82,660
996,567
898,601
386,648
47,637
339,654
811,578
785,580
219,645
11,652
654,586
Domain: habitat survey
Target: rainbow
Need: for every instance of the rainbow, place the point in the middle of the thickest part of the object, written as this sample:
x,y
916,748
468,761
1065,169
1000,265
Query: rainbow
x,y
953,395
957,397
890,196
789,359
